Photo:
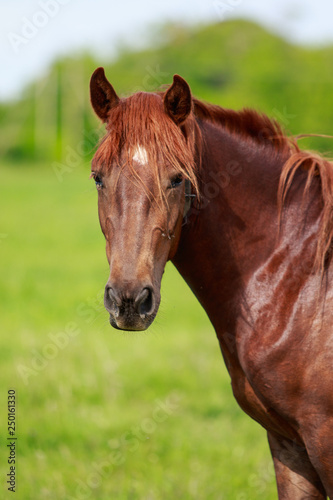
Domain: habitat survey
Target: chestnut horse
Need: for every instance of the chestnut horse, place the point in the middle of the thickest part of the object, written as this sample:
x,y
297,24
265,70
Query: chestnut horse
x,y
247,219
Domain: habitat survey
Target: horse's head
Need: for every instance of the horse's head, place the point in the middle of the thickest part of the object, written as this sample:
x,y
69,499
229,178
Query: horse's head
x,y
140,169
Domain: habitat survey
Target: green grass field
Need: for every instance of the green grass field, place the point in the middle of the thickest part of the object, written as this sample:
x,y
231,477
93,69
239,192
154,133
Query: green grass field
x,y
102,414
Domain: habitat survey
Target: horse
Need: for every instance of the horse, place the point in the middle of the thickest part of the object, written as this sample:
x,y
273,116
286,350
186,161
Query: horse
x,y
246,217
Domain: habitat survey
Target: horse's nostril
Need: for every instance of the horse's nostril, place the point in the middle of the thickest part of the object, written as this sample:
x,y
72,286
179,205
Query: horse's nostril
x,y
145,302
111,300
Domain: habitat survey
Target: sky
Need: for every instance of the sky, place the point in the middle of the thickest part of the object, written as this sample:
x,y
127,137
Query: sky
x,y
33,33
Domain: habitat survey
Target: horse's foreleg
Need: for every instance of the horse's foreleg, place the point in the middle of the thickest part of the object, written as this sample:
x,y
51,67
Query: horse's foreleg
x,y
317,433
295,476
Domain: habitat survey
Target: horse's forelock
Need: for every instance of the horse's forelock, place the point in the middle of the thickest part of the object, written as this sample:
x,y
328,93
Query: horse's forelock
x,y
139,122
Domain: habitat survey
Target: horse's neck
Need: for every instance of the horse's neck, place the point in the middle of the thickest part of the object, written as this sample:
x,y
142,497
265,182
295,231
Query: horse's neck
x,y
234,229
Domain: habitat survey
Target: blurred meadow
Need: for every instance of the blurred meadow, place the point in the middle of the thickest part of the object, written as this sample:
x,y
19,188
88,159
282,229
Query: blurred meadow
x,y
103,414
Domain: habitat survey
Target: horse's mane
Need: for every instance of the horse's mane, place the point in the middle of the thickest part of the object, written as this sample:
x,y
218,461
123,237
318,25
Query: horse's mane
x,y
140,120
247,124
259,128
318,168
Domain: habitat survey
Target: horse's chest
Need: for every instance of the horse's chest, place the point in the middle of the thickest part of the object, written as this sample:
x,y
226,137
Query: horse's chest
x,y
250,401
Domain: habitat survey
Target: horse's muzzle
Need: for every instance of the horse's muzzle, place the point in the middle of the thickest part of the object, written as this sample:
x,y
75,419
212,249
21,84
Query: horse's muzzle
x,y
131,309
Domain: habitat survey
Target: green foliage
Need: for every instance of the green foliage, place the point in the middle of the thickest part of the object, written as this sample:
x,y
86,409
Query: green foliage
x,y
235,64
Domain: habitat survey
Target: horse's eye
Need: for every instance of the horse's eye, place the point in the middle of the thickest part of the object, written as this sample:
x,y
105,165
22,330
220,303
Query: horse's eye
x,y
98,180
176,181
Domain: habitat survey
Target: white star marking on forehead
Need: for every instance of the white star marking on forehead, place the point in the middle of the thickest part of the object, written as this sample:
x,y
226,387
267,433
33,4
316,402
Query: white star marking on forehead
x,y
140,155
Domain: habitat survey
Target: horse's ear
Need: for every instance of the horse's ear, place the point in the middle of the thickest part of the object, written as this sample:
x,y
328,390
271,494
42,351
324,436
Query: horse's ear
x,y
102,94
178,100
